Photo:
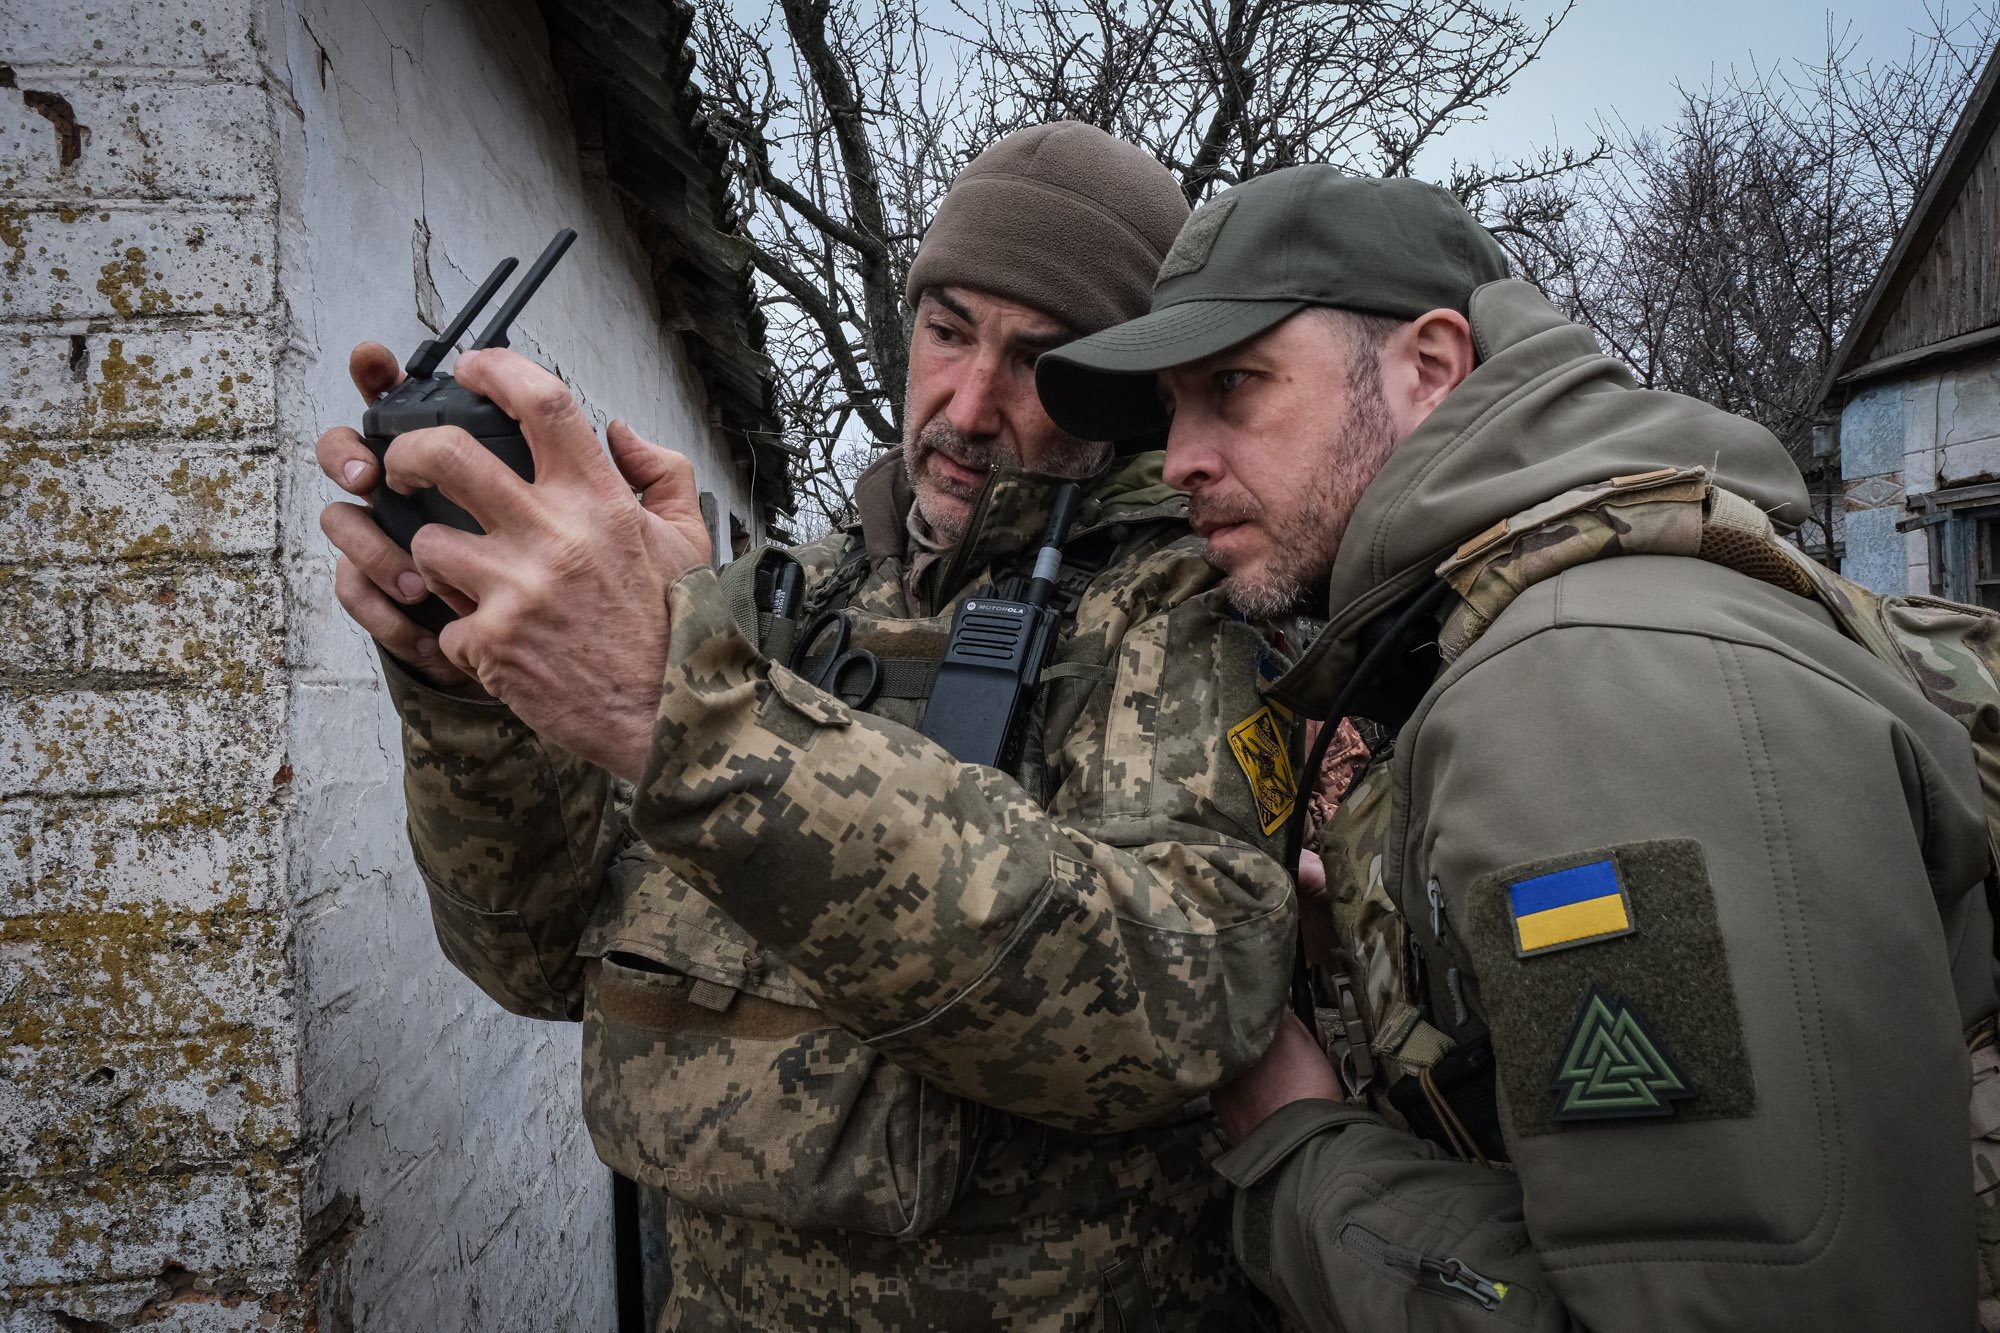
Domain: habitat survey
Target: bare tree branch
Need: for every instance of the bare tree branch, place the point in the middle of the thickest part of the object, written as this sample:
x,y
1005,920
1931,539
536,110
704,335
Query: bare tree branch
x,y
813,302
845,124
1725,255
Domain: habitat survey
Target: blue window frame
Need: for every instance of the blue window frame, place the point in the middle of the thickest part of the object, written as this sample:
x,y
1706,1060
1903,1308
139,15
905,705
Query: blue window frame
x,y
1965,554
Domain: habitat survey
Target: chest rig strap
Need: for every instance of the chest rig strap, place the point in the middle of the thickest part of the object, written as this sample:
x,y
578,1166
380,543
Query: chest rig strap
x,y
1398,1024
1393,1008
908,673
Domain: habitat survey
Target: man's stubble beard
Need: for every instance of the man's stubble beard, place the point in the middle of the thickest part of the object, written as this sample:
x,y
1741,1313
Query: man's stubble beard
x,y
1066,456
1341,462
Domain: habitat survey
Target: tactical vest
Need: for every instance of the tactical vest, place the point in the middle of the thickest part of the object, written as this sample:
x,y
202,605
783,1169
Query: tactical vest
x,y
1404,1035
909,651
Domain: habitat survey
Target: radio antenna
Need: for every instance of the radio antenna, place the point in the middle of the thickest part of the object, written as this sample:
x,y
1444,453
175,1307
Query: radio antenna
x,y
424,361
496,332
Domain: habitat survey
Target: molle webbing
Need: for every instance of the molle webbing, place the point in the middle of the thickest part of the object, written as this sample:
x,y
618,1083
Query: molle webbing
x,y
1375,982
839,590
1669,511
908,653
774,635
901,677
1408,1040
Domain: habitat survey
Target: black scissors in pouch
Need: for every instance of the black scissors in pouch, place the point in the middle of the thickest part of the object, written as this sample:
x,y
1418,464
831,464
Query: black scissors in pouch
x,y
853,675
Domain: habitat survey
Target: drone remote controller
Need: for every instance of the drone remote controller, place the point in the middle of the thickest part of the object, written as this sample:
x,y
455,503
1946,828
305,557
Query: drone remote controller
x,y
427,398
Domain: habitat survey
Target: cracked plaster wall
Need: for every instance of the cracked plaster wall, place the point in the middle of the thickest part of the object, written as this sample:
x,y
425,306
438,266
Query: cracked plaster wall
x,y
241,1088
1951,428
1901,439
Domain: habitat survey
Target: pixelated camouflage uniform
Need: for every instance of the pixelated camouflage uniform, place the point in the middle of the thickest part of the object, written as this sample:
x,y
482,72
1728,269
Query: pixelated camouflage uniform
x,y
842,1141
1736,1095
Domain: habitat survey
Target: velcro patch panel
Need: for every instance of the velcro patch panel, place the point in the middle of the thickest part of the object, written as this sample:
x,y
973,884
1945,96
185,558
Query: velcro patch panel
x,y
1606,984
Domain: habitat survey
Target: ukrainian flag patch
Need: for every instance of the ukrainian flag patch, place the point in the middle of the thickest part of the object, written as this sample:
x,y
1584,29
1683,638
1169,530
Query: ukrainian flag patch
x,y
1564,908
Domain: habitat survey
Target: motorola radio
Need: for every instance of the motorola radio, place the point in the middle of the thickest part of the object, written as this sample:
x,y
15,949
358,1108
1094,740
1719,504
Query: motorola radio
x,y
995,657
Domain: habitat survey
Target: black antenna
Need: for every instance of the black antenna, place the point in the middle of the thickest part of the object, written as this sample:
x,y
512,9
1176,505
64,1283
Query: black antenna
x,y
1049,562
424,361
496,332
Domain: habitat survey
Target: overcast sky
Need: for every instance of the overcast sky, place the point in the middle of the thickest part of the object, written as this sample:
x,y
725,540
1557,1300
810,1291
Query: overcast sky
x,y
1625,56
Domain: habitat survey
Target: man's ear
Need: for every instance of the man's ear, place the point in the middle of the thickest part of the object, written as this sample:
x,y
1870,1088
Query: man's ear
x,y
1427,358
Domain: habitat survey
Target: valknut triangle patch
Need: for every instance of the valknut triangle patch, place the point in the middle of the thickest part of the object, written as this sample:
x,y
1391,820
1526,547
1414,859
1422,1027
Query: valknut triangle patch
x,y
1615,1066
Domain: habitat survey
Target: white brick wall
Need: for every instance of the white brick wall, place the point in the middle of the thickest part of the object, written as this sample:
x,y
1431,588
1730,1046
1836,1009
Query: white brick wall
x,y
160,36
132,261
148,1089
239,1086
193,382
186,141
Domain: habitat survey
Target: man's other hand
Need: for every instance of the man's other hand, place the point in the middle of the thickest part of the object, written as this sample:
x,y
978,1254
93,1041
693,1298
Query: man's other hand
x,y
1293,1070
564,596
375,579
1316,910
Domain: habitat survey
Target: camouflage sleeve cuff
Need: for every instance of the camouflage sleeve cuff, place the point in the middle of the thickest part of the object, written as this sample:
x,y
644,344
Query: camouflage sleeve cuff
x,y
1283,1132
446,723
407,690
715,678
706,647
717,685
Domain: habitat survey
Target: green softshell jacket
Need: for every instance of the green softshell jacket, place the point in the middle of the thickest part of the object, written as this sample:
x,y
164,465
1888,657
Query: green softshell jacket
x,y
1746,1107
1095,953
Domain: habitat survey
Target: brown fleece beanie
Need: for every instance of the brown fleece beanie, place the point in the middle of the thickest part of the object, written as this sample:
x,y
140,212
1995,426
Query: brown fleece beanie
x,y
1060,217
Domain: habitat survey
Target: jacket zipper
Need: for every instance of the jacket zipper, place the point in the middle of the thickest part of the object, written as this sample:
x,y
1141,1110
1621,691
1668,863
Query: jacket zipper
x,y
1446,1274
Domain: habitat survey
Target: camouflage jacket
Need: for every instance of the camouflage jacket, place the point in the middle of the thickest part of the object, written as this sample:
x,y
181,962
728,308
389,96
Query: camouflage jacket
x,y
1703,870
1095,952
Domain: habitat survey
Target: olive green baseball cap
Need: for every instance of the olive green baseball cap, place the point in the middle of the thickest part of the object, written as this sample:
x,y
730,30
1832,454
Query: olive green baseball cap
x,y
1254,256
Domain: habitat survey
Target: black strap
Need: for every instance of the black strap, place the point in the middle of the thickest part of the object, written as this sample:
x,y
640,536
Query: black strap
x,y
1466,1080
1377,657
845,581
903,678
1082,561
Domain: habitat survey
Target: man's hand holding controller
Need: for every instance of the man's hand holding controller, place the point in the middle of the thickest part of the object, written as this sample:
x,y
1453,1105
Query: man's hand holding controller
x,y
562,597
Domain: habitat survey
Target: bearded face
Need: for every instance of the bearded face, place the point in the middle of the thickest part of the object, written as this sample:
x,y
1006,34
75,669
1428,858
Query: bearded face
x,y
947,469
1275,543
971,404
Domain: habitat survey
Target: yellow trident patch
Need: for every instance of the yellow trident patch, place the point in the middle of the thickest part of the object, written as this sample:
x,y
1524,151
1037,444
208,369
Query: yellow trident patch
x,y
1258,742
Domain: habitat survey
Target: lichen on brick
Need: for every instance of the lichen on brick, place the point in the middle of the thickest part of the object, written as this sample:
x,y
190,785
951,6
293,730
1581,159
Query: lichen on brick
x,y
13,235
125,285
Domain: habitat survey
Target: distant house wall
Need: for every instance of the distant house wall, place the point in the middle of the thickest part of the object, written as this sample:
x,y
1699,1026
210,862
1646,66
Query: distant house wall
x,y
1872,444
1916,381
1952,427
241,1086
1905,441
1951,285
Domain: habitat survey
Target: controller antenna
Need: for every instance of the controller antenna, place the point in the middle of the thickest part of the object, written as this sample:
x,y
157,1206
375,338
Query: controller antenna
x,y
424,361
496,332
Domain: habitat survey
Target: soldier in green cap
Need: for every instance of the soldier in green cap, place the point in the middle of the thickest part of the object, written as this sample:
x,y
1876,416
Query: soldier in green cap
x,y
1662,921
908,1042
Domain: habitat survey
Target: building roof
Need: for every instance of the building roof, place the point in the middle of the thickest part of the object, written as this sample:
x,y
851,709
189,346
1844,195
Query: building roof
x,y
628,71
1938,293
